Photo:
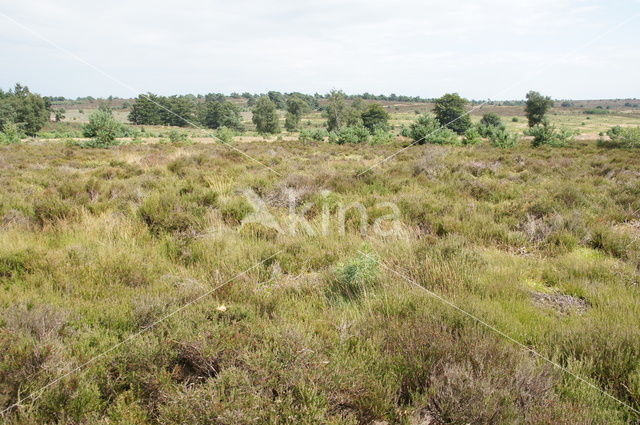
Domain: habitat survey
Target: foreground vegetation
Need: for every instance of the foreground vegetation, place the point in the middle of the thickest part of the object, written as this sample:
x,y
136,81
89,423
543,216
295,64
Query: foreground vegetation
x,y
98,244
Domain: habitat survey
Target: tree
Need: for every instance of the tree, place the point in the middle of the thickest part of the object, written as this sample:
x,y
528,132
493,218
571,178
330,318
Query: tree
x,y
491,120
28,110
335,111
216,114
375,116
146,110
296,106
178,110
265,116
103,128
450,112
536,107
277,98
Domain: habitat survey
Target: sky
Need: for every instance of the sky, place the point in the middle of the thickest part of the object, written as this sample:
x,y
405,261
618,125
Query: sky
x,y
482,49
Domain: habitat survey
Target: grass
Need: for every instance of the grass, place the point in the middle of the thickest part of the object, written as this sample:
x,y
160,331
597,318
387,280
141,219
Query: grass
x,y
96,244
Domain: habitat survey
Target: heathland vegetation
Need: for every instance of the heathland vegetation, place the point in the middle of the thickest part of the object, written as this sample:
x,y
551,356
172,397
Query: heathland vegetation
x,y
115,218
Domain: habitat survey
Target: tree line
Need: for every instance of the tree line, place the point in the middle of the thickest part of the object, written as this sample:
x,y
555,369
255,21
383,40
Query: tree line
x,y
23,111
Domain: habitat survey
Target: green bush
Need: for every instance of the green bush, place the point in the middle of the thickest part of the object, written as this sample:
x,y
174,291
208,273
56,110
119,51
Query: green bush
x,y
354,277
427,129
10,134
626,137
381,136
176,136
490,122
170,213
501,138
316,135
471,137
103,128
547,134
351,134
225,135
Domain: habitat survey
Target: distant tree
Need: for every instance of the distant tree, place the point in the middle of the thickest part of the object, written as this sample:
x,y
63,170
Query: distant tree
x,y
265,116
216,114
375,116
277,98
296,106
178,111
335,110
450,112
491,120
28,110
146,110
536,107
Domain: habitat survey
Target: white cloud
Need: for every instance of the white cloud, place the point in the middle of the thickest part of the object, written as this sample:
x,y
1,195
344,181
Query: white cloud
x,y
412,47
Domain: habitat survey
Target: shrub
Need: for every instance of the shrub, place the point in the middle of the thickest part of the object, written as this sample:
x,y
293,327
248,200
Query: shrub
x,y
427,129
10,134
351,134
471,137
626,137
176,136
225,135
490,122
167,212
514,119
501,138
103,128
354,277
547,134
316,135
381,136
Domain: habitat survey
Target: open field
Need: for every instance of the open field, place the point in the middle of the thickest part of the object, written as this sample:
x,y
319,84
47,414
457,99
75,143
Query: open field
x,y
328,323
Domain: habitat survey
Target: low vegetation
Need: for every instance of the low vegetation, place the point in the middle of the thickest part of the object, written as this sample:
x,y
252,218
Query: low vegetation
x,y
307,315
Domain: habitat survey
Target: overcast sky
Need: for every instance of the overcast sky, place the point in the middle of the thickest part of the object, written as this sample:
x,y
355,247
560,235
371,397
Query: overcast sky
x,y
482,49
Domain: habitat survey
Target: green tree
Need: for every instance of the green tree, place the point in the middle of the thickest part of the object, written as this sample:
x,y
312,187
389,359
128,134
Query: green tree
x,y
220,113
103,128
450,112
536,107
296,106
277,98
265,116
335,110
28,110
491,119
178,111
375,116
146,110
